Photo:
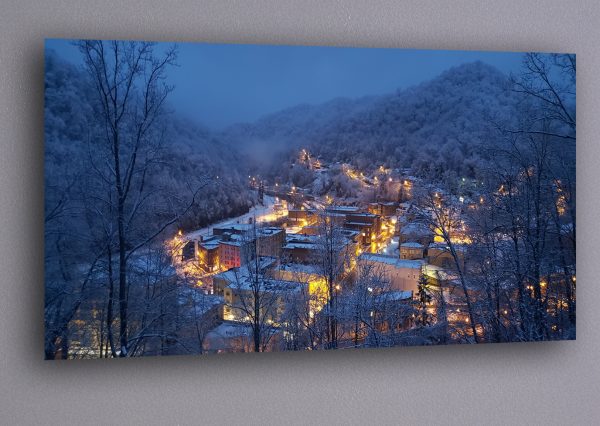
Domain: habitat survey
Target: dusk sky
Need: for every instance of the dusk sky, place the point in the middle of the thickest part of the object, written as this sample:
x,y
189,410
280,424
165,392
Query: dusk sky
x,y
221,84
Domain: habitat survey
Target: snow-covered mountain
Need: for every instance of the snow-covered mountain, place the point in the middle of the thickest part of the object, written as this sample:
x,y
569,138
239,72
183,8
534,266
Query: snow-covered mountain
x,y
437,124
193,152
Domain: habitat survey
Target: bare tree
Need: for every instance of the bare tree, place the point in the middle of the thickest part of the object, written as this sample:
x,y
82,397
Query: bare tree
x,y
443,216
257,299
424,299
549,80
332,258
531,197
303,324
377,314
130,94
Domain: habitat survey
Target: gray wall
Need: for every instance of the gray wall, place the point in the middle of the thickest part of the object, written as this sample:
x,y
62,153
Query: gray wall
x,y
522,383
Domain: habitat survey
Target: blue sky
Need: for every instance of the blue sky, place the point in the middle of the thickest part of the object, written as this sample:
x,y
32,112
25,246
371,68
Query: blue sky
x,y
221,84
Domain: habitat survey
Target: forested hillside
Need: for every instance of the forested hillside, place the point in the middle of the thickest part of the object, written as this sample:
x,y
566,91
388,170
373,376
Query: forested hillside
x,y
186,152
440,129
436,128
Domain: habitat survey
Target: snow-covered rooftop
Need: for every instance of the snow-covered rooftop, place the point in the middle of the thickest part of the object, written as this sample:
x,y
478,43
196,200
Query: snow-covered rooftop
x,y
233,273
415,228
412,244
370,215
391,260
437,272
231,329
297,267
299,245
445,247
200,301
343,208
393,296
359,223
302,238
233,227
266,285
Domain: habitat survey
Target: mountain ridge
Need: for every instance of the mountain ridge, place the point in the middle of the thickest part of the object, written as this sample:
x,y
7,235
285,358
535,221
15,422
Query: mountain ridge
x,y
435,120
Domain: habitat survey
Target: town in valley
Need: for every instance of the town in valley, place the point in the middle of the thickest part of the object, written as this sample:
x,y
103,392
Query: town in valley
x,y
442,214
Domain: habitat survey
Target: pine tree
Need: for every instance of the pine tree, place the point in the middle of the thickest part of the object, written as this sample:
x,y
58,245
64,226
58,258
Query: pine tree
x,y
424,294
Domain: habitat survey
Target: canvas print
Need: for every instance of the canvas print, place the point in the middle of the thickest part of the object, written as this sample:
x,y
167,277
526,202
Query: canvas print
x,y
208,199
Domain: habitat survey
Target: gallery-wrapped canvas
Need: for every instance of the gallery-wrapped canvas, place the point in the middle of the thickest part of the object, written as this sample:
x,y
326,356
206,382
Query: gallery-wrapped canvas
x,y
204,198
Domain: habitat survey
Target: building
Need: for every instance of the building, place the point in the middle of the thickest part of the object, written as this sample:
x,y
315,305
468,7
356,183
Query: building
x,y
239,286
437,274
352,236
208,254
406,188
310,230
414,231
368,225
270,241
274,296
188,251
307,275
411,250
386,209
403,275
232,251
204,310
406,212
229,337
300,248
333,217
393,311
385,315
365,232
234,229
302,217
344,210
233,275
439,254
231,245
240,299
367,218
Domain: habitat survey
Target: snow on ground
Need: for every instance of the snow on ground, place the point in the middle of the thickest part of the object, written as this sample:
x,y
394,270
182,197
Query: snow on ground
x,y
391,248
258,211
